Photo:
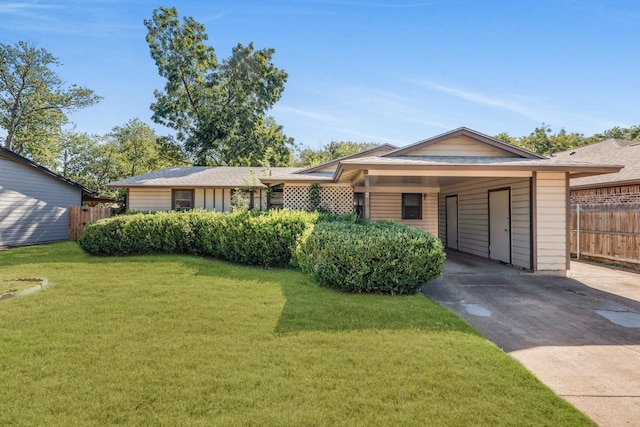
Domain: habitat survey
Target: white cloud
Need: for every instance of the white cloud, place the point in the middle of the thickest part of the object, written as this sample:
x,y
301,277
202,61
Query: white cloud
x,y
482,99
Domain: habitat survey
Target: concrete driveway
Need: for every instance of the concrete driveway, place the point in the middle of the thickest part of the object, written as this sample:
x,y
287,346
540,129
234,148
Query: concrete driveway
x,y
578,335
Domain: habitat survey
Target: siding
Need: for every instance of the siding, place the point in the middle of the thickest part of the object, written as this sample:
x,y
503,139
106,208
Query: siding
x,y
473,216
34,207
389,206
551,209
460,146
149,199
159,199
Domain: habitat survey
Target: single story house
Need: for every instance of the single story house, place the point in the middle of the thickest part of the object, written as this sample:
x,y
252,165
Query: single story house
x,y
477,194
614,188
34,202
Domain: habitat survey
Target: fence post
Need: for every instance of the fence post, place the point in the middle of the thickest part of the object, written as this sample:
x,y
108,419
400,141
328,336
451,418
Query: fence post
x,y
578,231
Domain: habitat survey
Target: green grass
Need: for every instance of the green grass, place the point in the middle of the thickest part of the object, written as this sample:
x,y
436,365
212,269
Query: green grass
x,y
179,340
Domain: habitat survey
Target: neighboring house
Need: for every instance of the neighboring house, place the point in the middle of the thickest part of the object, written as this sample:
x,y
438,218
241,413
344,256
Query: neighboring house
x,y
614,188
34,202
477,194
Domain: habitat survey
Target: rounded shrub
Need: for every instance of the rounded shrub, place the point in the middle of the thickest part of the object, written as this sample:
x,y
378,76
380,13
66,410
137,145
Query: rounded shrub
x,y
380,257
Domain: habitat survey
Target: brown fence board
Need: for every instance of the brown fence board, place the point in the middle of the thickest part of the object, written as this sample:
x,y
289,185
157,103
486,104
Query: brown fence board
x,y
611,232
81,215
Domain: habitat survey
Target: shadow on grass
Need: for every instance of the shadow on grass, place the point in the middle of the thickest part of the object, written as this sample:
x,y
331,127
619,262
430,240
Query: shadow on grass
x,y
307,307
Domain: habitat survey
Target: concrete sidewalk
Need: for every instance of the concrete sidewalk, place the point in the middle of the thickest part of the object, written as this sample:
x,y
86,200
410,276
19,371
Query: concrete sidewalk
x,y
579,335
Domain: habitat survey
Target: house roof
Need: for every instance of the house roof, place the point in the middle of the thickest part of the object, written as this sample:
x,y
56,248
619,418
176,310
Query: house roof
x,y
41,169
386,156
380,149
617,151
201,176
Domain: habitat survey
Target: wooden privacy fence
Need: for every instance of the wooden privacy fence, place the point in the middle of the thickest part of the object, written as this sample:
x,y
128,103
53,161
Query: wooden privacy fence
x,y
607,232
80,215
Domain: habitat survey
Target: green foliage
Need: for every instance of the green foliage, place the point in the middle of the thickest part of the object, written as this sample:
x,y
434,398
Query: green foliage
x,y
334,150
130,149
377,257
217,108
246,237
314,197
34,101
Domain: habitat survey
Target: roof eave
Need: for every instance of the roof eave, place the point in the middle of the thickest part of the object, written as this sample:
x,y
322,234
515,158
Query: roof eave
x,y
591,170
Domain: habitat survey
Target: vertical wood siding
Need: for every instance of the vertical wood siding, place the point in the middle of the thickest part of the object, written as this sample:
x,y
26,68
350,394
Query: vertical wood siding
x,y
34,207
551,207
473,216
389,206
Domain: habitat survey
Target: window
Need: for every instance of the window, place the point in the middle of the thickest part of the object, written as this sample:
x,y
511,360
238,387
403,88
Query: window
x,y
182,200
242,199
411,206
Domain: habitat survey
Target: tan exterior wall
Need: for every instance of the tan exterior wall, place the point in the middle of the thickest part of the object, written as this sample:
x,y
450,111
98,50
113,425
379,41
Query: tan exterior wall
x,y
389,206
460,146
473,216
551,224
159,199
149,199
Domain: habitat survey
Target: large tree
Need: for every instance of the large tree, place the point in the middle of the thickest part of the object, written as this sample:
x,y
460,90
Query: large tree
x,y
130,149
219,109
34,101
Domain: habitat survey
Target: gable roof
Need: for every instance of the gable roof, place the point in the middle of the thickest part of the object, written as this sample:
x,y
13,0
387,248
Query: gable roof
x,y
618,151
375,151
201,176
463,131
11,155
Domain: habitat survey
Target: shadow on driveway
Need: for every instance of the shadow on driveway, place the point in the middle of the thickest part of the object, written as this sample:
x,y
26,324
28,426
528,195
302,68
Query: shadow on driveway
x,y
519,310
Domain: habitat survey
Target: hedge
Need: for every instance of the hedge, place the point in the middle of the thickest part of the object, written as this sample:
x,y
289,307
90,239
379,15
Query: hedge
x,y
336,251
246,237
380,257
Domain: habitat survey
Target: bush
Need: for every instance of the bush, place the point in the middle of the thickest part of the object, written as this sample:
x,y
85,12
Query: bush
x,y
379,257
255,238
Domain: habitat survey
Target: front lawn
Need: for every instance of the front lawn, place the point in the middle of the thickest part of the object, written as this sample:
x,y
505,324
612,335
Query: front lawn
x,y
180,340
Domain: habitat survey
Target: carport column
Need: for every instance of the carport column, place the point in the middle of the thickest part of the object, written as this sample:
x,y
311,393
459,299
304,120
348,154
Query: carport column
x,y
367,206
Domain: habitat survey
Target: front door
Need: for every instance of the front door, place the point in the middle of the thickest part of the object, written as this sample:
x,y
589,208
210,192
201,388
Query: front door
x,y
452,222
500,225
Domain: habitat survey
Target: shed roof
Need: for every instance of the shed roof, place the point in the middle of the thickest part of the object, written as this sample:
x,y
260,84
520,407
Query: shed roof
x,y
617,151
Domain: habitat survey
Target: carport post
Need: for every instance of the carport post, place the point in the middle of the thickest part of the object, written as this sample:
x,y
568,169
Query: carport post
x,y
578,231
367,206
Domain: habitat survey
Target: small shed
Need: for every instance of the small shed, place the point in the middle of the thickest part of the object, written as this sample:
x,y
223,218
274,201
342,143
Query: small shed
x,y
34,202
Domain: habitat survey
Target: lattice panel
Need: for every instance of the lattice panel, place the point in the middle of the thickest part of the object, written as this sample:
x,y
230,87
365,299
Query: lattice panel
x,y
338,200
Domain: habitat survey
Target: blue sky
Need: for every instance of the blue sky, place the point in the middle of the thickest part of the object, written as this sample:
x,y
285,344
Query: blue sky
x,y
369,70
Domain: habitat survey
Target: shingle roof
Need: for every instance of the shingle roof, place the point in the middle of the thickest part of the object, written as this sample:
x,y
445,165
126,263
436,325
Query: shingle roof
x,y
201,176
616,151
